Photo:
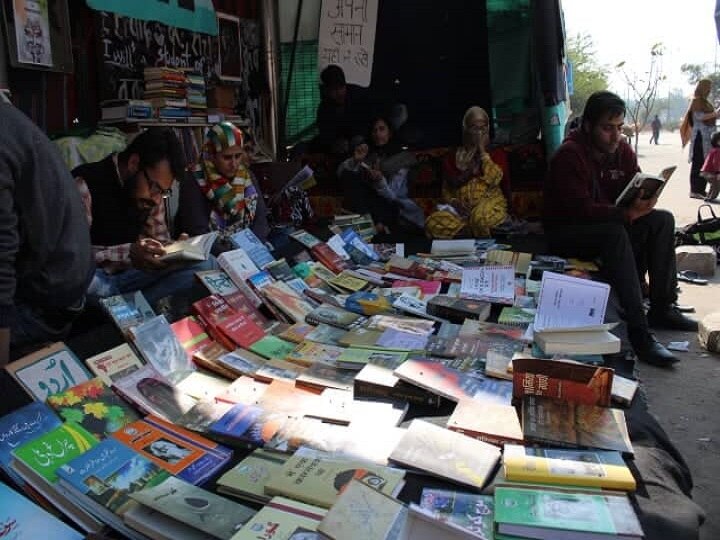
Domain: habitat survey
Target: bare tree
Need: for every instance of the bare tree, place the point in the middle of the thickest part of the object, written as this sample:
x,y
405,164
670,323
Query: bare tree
x,y
644,88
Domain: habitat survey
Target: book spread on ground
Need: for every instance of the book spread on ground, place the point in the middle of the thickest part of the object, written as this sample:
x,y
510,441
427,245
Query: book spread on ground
x,y
319,481
446,454
50,370
21,519
543,514
588,468
182,453
94,406
22,426
114,364
217,282
283,518
490,283
561,423
194,506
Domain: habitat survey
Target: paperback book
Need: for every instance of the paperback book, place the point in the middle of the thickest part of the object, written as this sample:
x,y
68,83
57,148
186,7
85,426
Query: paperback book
x,y
114,364
50,370
216,516
181,453
94,406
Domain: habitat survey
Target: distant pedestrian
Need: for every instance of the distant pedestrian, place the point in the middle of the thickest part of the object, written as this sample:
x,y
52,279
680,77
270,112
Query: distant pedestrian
x,y
656,126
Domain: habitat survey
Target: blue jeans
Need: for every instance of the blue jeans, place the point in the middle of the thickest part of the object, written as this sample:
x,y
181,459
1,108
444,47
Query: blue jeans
x,y
154,285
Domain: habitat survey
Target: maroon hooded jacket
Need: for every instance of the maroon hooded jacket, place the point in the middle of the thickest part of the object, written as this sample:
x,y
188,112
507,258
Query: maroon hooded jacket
x,y
580,189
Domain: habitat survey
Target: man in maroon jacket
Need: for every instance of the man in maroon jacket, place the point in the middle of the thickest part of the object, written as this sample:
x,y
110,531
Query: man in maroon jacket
x,y
585,177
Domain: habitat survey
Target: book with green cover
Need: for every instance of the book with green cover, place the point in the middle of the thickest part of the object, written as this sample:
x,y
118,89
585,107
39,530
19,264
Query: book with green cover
x,y
48,452
194,506
317,480
95,407
544,514
272,347
516,316
356,359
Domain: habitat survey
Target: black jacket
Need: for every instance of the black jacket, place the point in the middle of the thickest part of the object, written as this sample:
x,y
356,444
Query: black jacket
x,y
45,256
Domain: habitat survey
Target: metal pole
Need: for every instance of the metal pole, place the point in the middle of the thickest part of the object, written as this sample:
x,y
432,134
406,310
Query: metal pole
x,y
271,56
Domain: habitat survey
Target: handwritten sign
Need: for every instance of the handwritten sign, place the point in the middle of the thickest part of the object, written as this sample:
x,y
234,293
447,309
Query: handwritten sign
x,y
347,37
130,45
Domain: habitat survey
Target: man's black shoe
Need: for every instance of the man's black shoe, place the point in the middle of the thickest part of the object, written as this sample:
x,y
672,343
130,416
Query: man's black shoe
x,y
650,351
671,319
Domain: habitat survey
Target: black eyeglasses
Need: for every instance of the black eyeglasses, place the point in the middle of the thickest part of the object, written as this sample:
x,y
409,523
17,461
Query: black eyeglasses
x,y
155,187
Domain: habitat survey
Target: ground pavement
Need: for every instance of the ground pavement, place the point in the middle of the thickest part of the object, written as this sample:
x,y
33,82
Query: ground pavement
x,y
686,399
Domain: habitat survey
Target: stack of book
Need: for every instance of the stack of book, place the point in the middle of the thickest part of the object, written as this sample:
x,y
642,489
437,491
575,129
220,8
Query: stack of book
x,y
166,89
275,408
196,97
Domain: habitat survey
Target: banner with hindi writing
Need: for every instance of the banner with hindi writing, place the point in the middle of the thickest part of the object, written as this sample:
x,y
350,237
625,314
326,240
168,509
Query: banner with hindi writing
x,y
347,38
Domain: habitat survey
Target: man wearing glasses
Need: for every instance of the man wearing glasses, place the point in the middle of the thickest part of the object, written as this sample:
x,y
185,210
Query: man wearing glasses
x,y
125,202
585,177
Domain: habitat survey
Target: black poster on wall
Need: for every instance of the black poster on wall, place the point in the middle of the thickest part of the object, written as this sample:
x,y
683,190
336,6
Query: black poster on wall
x,y
129,45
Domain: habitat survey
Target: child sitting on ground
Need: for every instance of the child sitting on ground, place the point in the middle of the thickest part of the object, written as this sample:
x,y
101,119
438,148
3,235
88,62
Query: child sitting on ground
x,y
711,168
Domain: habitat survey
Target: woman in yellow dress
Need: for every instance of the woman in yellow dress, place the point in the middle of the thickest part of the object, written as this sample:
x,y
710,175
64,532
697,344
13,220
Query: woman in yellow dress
x,y
474,202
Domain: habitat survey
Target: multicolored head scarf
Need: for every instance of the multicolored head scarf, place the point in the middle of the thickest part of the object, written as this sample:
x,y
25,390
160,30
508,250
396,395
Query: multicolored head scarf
x,y
234,199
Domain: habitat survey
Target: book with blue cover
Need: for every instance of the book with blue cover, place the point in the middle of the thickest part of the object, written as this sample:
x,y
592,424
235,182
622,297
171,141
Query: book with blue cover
x,y
247,424
104,477
253,246
21,519
20,427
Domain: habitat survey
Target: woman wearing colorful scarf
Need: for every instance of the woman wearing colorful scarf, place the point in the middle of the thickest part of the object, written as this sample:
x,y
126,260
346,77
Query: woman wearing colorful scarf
x,y
233,198
474,202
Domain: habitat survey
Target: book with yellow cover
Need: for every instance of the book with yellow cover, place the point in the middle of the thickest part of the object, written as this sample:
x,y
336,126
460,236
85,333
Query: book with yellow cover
x,y
317,480
282,519
584,468
248,478
308,353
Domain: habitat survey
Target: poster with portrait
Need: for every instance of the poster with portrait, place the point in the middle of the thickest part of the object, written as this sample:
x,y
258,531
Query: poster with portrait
x,y
32,32
229,48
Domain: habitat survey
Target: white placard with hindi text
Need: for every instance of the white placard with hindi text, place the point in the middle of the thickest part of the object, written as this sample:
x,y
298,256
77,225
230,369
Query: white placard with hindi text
x,y
347,38
491,283
570,302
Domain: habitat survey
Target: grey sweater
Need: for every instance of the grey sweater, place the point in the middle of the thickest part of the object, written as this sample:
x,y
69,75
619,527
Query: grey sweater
x,y
45,256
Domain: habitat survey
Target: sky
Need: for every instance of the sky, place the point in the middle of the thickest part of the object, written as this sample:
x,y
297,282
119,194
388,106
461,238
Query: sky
x,y
625,30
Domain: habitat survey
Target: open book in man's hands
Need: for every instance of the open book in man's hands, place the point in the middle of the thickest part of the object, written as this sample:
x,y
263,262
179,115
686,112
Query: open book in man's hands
x,y
196,248
644,185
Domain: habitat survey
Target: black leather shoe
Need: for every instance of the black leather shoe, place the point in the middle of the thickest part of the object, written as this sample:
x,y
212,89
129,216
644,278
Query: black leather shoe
x,y
671,319
650,351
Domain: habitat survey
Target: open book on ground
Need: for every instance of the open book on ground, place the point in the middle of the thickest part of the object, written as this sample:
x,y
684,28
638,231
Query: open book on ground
x,y
644,185
196,248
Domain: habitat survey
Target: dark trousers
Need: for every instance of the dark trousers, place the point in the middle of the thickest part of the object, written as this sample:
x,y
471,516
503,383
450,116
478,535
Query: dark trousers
x,y
626,252
697,182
